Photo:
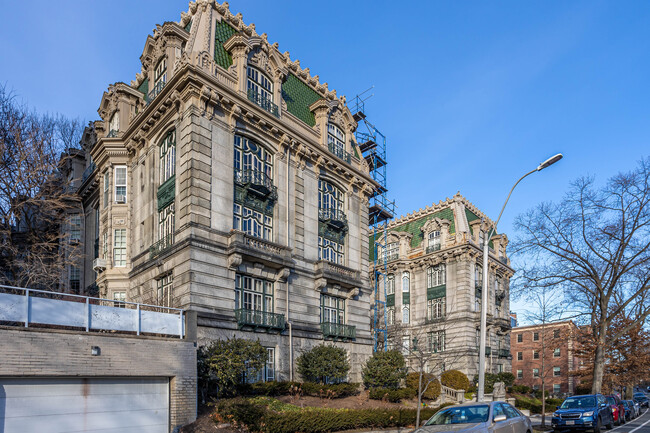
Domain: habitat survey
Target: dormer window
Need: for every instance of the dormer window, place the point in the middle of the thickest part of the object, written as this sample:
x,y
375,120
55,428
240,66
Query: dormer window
x,y
434,243
336,142
159,79
260,90
114,125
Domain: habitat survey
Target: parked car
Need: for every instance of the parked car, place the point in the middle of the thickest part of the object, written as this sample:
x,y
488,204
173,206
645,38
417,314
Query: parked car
x,y
637,406
583,412
618,410
630,411
489,417
641,398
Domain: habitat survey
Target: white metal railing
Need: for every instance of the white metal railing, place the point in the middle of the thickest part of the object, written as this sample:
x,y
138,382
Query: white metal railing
x,y
30,306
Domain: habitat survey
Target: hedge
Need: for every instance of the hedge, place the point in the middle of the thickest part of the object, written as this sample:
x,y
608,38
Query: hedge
x,y
392,395
257,417
535,405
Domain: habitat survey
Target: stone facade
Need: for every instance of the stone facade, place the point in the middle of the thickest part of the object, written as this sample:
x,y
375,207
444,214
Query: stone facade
x,y
554,346
430,265
46,353
226,180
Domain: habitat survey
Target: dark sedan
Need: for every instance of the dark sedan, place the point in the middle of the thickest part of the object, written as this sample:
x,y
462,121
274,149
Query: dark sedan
x,y
640,398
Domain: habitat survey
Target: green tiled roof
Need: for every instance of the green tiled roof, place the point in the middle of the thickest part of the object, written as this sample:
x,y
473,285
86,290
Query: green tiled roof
x,y
299,97
144,87
188,26
471,216
222,33
414,227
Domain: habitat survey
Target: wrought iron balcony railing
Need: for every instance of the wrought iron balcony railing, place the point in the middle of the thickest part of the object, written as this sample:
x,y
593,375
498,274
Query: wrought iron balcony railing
x,y
259,319
155,92
338,330
88,171
432,248
264,102
159,247
389,258
340,153
258,181
333,216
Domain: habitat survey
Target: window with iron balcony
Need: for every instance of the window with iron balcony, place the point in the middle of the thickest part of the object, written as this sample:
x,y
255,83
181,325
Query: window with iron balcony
x,y
434,241
254,299
333,319
260,91
332,223
336,142
255,194
159,80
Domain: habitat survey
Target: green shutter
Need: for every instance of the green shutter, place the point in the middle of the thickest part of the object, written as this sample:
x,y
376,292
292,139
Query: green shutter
x,y
390,300
436,292
166,193
406,298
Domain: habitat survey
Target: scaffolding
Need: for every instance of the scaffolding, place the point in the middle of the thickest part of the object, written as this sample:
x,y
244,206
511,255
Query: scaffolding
x,y
372,144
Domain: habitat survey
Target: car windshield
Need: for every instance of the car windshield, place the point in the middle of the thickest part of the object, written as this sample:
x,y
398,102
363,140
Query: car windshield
x,y
578,403
611,400
639,394
461,415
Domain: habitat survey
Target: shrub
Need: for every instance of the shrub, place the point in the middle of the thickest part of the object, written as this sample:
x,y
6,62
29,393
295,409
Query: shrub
x,y
532,404
432,391
455,379
507,378
272,389
222,365
243,412
323,363
270,416
384,370
521,389
392,395
335,390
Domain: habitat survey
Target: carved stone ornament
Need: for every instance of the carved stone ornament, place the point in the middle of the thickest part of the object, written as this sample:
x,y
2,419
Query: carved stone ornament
x,y
282,275
320,284
234,260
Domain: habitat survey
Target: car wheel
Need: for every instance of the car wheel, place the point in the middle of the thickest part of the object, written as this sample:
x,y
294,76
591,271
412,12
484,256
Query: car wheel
x,y
610,425
597,426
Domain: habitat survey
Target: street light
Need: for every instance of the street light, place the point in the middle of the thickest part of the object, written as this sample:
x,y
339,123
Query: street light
x,y
484,295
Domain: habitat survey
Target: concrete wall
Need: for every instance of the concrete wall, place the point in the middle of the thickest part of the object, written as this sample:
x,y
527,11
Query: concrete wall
x,y
49,353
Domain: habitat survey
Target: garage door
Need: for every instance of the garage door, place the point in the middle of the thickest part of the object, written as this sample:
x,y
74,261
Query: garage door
x,y
56,405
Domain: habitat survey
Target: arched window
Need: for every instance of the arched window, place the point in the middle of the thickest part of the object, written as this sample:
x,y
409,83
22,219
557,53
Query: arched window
x,y
167,155
406,314
332,222
406,282
390,319
390,284
159,79
436,275
330,197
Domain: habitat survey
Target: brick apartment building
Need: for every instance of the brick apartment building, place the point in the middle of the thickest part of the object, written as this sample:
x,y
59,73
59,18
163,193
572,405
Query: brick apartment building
x,y
552,343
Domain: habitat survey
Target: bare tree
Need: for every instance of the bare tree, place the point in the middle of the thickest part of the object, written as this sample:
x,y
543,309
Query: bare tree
x,y
594,246
34,197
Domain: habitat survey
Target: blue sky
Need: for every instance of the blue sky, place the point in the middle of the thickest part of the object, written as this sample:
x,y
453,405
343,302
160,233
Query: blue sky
x,y
470,94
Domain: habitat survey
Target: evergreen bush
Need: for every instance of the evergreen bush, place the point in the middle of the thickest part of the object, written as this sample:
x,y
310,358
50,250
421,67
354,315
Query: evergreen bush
x,y
432,391
384,370
323,364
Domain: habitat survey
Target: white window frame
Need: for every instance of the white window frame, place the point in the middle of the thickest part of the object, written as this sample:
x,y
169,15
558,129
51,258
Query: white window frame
x,y
332,309
331,251
259,83
435,238
390,284
119,248
520,374
437,341
167,156
75,228
165,290
107,187
535,373
160,75
254,294
406,345
120,185
406,314
252,222
114,123
390,313
436,275
436,308
557,353
406,282
557,388
119,299
557,371
336,139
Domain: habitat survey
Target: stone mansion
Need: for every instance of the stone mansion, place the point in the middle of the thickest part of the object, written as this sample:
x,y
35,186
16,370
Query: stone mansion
x,y
432,265
225,179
